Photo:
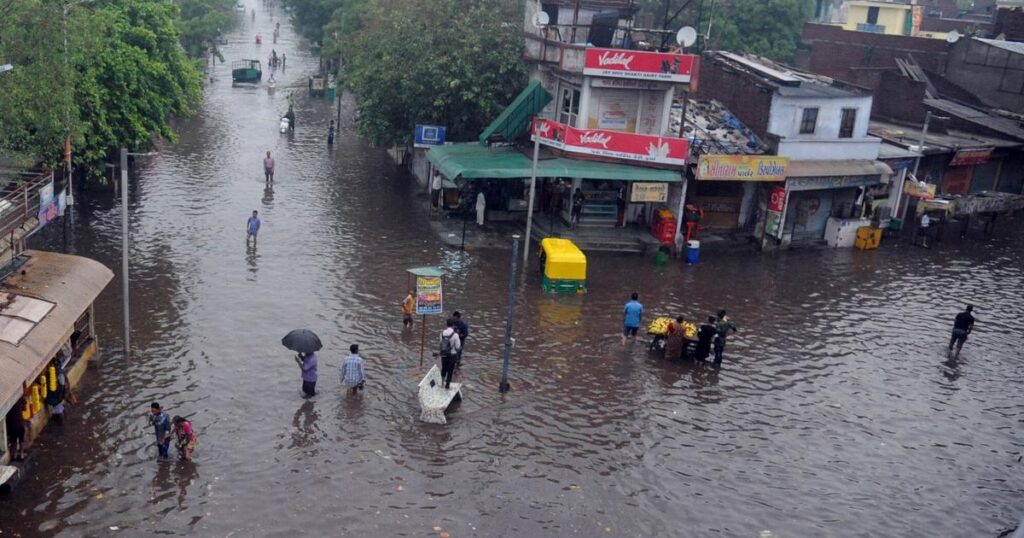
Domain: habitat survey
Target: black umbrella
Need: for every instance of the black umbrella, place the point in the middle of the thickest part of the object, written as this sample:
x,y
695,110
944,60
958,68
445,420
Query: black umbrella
x,y
302,340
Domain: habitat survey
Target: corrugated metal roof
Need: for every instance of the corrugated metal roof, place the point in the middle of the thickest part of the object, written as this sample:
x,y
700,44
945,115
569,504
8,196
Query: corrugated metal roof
x,y
516,118
71,283
980,117
1015,47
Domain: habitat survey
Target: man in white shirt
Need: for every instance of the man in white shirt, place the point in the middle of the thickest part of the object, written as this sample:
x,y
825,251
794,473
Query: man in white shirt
x,y
450,346
922,229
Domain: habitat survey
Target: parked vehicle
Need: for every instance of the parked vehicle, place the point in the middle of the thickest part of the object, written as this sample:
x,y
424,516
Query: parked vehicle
x,y
246,71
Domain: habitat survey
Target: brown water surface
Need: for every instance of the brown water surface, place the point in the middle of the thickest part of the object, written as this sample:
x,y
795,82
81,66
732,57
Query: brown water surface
x,y
835,413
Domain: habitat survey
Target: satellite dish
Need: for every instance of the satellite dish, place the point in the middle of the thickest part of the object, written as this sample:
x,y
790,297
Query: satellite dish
x,y
953,37
686,36
541,19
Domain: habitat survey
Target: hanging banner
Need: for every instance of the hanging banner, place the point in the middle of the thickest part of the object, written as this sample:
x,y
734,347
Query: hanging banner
x,y
612,144
919,189
47,205
428,295
643,65
741,168
649,192
776,203
971,157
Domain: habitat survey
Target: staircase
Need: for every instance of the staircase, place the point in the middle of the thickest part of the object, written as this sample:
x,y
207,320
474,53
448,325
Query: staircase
x,y
600,236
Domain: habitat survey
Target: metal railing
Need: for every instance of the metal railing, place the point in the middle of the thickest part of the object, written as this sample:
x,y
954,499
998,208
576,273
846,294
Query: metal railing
x,y
19,197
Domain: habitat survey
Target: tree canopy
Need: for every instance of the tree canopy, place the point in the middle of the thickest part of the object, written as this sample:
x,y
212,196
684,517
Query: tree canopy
x,y
123,78
456,63
769,28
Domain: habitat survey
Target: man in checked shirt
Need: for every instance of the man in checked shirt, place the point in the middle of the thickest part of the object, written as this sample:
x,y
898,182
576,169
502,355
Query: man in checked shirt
x,y
352,375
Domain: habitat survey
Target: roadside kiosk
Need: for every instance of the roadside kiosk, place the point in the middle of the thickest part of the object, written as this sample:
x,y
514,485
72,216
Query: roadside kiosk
x,y
563,267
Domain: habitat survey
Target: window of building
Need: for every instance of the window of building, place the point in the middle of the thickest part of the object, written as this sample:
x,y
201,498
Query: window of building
x,y
846,122
569,107
809,121
872,15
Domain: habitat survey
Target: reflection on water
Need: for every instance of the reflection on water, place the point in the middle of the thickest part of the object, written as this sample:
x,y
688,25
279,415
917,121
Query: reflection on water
x,y
836,412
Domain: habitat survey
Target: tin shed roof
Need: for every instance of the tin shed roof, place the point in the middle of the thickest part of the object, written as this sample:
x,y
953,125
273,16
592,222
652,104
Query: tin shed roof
x,y
70,284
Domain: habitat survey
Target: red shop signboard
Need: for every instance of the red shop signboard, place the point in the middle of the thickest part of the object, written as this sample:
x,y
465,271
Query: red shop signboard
x,y
970,157
777,199
612,144
641,65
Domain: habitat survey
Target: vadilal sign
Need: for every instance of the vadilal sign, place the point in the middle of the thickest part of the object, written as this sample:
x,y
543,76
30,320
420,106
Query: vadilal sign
x,y
741,168
649,192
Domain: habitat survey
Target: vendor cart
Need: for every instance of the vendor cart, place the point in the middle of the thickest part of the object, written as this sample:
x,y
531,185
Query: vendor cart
x,y
658,331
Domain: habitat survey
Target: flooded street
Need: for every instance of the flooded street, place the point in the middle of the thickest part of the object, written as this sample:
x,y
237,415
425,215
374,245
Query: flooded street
x,y
835,413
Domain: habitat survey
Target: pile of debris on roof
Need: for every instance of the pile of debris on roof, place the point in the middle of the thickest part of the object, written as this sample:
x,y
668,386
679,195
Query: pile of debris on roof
x,y
711,128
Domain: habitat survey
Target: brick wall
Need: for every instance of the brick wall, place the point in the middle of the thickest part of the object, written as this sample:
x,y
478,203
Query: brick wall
x,y
899,98
1011,23
833,52
749,100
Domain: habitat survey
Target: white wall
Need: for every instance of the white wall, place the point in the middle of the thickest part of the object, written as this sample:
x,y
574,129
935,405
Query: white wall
x,y
824,143
629,110
830,150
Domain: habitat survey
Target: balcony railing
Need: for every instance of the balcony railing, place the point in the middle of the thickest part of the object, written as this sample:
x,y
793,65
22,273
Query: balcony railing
x,y
19,197
872,28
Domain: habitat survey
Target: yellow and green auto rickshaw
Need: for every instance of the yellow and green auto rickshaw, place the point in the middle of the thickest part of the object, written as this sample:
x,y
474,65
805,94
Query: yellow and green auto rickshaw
x,y
563,267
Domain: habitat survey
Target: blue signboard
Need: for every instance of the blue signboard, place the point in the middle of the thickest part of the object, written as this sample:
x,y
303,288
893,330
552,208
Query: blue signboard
x,y
429,135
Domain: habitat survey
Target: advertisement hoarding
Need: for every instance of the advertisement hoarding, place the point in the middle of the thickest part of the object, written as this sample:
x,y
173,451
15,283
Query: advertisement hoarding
x,y
741,168
642,65
612,144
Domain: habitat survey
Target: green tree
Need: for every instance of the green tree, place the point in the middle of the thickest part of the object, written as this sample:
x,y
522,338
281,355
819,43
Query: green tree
x,y
35,112
769,28
456,63
124,78
134,79
308,17
202,21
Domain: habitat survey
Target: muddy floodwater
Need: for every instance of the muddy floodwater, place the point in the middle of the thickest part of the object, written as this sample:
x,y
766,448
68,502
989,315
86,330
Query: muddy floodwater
x,y
836,412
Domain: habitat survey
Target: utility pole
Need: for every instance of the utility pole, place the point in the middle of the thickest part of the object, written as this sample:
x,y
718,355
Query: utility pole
x,y
533,193
504,387
124,250
920,144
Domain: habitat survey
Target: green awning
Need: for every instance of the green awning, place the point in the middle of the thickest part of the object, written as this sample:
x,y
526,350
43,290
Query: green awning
x,y
472,161
516,117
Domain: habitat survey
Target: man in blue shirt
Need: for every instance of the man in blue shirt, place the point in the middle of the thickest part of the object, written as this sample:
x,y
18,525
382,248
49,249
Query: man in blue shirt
x,y
352,374
252,227
631,322
161,427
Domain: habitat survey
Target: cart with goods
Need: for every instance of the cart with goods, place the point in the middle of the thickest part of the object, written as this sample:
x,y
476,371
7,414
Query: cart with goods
x,y
658,331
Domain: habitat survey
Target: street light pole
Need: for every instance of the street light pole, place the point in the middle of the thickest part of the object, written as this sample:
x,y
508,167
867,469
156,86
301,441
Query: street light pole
x,y
124,249
503,386
533,194
920,147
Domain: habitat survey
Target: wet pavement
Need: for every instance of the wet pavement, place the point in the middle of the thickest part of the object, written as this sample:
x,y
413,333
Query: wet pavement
x,y
836,412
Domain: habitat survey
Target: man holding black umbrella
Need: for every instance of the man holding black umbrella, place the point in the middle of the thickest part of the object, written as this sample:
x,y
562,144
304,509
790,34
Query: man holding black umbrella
x,y
307,363
306,343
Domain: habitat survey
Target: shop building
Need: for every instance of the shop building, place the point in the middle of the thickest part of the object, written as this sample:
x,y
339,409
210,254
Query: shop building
x,y
728,164
47,330
599,114
820,125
